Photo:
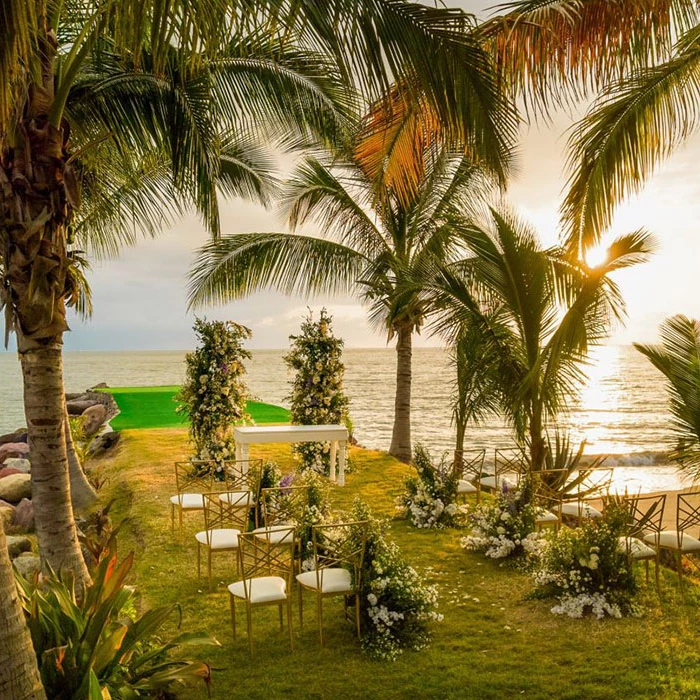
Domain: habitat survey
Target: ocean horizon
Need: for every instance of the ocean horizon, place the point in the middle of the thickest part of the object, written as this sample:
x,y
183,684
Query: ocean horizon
x,y
622,410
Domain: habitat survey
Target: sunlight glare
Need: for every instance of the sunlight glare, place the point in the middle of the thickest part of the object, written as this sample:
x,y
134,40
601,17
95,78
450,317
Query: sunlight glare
x,y
596,256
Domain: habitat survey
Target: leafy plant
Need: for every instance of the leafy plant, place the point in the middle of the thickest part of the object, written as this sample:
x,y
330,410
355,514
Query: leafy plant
x,y
96,533
586,569
100,648
430,496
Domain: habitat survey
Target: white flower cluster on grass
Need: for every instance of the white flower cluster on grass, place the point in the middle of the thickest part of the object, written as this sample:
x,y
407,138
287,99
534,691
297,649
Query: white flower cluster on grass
x,y
578,605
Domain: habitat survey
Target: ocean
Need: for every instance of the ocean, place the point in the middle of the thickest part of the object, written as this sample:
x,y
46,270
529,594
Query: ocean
x,y
621,412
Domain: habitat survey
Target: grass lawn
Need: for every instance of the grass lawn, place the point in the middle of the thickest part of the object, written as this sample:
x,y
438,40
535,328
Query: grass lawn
x,y
493,642
147,407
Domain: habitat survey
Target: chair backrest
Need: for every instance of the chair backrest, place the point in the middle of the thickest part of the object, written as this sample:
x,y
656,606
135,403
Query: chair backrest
x,y
473,464
340,545
548,488
511,461
261,557
646,514
283,504
190,477
242,474
589,484
688,513
221,515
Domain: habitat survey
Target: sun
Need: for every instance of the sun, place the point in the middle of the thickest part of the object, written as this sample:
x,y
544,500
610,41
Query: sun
x,y
597,256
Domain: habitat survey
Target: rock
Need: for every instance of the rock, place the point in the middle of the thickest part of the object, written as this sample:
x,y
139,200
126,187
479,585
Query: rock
x,y
7,513
78,407
23,465
13,449
27,564
101,385
15,487
12,437
16,544
103,443
23,518
94,417
9,471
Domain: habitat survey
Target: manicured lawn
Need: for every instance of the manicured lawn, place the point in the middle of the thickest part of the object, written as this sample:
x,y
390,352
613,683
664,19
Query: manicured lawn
x,y
493,642
154,407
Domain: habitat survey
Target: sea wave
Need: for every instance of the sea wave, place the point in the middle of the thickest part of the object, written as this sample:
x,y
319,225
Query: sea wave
x,y
648,458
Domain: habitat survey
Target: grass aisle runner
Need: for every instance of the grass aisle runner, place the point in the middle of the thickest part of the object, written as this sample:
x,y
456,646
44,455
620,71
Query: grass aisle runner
x,y
147,407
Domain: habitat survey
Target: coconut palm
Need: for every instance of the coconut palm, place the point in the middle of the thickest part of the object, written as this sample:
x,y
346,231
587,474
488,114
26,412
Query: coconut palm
x,y
373,243
538,312
678,359
644,58
78,78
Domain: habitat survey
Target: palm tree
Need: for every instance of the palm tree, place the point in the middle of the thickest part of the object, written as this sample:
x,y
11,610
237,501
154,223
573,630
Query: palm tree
x,y
187,83
374,241
678,359
643,59
538,314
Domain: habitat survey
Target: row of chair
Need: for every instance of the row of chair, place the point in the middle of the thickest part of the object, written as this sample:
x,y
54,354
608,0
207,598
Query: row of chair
x,y
268,556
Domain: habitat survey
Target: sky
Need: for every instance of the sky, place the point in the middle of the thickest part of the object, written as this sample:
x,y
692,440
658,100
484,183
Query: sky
x,y
140,298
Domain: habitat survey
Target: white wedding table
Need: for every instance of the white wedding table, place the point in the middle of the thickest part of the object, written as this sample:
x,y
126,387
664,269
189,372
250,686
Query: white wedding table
x,y
337,435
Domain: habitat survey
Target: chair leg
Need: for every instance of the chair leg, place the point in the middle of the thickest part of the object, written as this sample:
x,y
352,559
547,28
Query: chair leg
x,y
199,560
279,608
249,615
657,563
209,566
233,614
357,616
301,606
319,606
289,622
179,512
680,573
172,517
646,568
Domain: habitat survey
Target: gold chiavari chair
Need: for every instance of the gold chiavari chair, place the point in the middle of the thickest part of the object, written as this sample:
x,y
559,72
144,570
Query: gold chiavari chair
x,y
281,507
339,552
471,472
508,468
680,540
192,481
267,573
590,485
241,483
223,523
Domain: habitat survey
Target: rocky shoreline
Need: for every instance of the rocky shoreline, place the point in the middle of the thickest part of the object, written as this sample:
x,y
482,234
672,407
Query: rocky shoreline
x,y
93,409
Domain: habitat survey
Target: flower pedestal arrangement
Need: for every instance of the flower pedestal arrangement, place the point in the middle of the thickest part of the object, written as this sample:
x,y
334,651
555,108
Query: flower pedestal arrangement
x,y
317,396
214,392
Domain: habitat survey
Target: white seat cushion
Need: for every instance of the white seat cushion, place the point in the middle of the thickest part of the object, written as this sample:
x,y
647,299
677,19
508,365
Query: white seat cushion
x,y
263,589
671,539
580,509
237,498
490,482
219,539
331,580
545,516
636,548
275,534
188,501
464,486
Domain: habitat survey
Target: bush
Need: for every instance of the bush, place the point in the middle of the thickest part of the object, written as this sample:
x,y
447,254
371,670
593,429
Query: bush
x,y
395,603
586,569
505,528
214,393
100,648
430,497
317,396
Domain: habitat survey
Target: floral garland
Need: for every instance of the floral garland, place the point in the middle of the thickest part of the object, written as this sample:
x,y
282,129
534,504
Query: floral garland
x,y
317,395
395,603
587,570
214,393
430,497
505,528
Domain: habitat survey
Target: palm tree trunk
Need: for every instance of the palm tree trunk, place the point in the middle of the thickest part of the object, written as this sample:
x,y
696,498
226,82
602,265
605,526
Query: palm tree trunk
x,y
82,495
44,407
458,463
401,435
19,674
537,444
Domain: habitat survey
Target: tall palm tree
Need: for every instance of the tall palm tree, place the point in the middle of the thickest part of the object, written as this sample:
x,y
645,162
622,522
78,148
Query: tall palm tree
x,y
678,359
642,58
374,242
538,314
74,75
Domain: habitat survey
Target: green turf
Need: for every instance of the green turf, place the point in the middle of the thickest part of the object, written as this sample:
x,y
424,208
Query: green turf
x,y
147,407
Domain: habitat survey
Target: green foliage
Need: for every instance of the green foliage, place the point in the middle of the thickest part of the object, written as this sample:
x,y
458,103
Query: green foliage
x,y
317,395
395,602
430,497
587,569
678,359
214,392
98,648
96,533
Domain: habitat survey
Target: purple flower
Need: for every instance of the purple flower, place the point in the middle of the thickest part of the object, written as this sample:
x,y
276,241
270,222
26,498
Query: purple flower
x,y
285,482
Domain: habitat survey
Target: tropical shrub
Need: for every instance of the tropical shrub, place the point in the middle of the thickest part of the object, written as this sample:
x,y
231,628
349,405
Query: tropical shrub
x,y
96,533
396,604
317,395
506,527
100,648
430,497
586,569
214,392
